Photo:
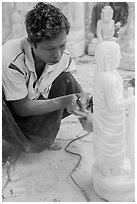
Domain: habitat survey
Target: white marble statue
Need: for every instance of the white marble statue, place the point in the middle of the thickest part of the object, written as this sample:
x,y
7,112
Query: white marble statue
x,y
74,11
7,9
112,178
105,29
13,19
17,29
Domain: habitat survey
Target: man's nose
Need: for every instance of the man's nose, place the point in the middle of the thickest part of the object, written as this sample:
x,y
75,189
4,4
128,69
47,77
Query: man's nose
x,y
57,54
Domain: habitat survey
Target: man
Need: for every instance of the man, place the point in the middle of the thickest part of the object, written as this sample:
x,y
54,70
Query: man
x,y
37,69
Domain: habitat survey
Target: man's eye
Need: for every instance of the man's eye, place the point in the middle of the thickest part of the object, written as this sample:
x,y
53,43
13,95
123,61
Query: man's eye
x,y
62,46
50,49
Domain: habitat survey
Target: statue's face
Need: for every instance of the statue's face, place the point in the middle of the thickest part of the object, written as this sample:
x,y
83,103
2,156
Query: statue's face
x,y
107,55
107,13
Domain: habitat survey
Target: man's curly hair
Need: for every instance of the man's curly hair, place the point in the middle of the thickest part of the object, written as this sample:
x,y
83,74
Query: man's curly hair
x,y
45,22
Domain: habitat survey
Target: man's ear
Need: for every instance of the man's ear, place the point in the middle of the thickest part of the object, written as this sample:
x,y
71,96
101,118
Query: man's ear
x,y
108,62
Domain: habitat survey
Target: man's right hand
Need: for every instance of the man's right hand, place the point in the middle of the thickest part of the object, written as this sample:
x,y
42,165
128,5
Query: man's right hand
x,y
74,108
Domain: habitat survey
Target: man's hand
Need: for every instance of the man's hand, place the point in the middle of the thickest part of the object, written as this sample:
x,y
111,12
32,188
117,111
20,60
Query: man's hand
x,y
75,109
85,101
81,106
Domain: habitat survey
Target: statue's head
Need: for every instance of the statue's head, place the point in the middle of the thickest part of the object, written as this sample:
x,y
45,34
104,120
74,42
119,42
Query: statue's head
x,y
107,55
16,17
107,13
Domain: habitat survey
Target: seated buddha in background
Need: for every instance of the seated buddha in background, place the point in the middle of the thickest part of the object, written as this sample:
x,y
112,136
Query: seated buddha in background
x,y
105,29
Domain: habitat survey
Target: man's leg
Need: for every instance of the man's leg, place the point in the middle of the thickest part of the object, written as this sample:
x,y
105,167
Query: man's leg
x,y
13,140
65,84
42,130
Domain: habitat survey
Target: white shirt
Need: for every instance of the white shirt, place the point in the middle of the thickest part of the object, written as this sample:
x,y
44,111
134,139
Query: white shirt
x,y
19,72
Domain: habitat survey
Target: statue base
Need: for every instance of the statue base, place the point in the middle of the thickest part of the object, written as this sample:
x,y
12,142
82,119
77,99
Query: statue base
x,y
113,188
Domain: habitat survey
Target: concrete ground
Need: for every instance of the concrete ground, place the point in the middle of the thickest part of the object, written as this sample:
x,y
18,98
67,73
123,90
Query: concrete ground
x,y
57,176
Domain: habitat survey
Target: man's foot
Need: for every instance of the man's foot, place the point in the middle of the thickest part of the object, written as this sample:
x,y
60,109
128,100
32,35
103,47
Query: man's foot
x,y
10,152
55,146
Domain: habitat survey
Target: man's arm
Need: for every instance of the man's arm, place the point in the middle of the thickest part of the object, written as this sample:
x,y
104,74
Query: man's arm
x,y
26,107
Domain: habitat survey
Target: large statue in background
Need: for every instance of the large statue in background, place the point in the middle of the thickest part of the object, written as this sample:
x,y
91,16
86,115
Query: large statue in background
x,y
95,16
113,177
106,25
120,10
7,9
74,11
120,16
105,28
13,19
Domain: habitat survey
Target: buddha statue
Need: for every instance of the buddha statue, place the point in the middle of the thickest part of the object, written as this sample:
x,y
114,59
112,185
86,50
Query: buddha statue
x,y
106,25
17,29
112,178
13,19
120,16
7,9
105,28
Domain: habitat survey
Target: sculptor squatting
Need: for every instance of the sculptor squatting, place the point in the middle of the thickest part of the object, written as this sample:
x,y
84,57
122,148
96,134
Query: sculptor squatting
x,y
36,69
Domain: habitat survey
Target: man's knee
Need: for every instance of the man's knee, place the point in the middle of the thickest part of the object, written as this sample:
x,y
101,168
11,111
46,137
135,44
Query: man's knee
x,y
64,84
66,77
67,81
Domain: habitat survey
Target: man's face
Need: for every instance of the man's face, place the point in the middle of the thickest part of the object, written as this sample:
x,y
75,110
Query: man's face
x,y
51,51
